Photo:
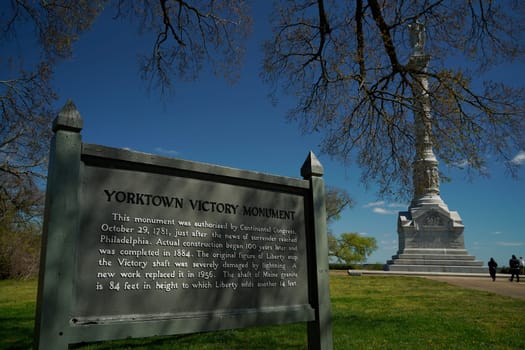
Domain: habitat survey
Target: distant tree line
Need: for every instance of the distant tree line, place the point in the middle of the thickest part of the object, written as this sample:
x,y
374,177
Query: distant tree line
x,y
20,233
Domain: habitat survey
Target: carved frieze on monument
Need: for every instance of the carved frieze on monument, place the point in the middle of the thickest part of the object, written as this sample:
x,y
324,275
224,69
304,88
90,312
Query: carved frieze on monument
x,y
432,218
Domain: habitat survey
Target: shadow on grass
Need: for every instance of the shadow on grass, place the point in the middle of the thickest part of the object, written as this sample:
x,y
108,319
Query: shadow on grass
x,y
16,332
291,336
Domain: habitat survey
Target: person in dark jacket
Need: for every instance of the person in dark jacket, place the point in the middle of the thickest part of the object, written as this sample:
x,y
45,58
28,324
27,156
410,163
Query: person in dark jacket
x,y
492,268
514,264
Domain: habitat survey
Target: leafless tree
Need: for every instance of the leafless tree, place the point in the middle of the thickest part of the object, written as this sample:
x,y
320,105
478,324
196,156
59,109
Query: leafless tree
x,y
189,35
345,61
26,95
348,64
337,200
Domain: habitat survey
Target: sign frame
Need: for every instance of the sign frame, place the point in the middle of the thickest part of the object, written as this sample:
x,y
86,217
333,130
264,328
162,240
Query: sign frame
x,y
55,326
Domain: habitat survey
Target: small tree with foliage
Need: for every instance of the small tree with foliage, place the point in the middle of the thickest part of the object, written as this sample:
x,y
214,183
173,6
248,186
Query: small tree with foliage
x,y
351,248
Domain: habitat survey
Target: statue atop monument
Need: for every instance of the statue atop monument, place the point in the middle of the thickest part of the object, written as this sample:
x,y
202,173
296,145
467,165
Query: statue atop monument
x,y
417,36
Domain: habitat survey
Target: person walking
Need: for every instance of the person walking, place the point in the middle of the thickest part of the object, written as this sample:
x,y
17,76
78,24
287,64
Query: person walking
x,y
514,264
492,268
522,265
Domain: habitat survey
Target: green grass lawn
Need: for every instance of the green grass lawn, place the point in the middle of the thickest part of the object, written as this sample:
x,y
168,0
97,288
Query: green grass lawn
x,y
368,312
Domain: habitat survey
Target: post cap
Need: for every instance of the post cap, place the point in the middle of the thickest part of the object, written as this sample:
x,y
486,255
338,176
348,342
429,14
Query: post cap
x,y
68,118
311,167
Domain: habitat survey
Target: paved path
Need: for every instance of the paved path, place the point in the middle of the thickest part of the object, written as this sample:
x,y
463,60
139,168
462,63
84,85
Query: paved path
x,y
501,286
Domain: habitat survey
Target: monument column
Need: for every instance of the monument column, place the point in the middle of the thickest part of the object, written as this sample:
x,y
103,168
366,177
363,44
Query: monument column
x,y
430,235
425,165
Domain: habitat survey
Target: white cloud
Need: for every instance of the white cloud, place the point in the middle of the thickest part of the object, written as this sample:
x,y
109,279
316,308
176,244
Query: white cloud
x,y
374,204
510,244
465,163
462,163
397,205
389,243
135,151
519,158
379,207
166,151
383,211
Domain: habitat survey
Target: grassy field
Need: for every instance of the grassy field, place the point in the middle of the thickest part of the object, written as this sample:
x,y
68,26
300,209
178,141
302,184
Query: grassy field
x,y
368,312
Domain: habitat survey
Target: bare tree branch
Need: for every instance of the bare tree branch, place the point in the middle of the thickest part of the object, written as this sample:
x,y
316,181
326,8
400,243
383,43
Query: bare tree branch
x,y
358,89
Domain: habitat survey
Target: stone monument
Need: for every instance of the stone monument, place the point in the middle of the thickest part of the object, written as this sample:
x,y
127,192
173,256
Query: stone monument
x,y
430,235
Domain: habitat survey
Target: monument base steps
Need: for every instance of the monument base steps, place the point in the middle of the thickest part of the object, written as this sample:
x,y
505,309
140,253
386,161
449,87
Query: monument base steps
x,y
436,260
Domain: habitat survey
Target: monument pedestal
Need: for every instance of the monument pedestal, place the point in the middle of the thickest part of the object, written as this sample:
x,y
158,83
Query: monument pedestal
x,y
431,240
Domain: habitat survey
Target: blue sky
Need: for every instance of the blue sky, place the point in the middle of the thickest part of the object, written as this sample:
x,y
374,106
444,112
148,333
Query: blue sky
x,y
237,126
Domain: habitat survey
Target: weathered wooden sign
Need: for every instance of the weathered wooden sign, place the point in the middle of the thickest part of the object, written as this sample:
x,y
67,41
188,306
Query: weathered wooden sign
x,y
137,245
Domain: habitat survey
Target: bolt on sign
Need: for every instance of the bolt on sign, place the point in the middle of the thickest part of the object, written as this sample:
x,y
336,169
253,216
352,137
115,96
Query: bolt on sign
x,y
137,245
